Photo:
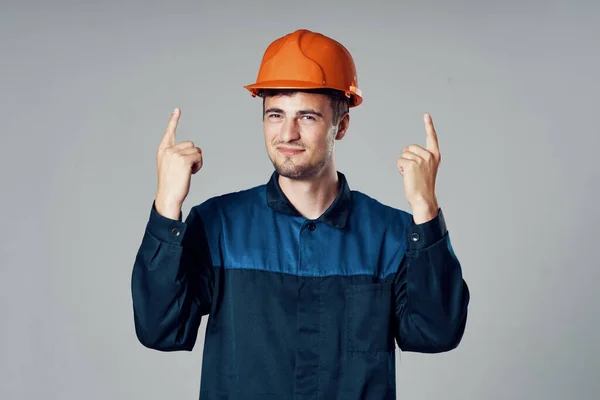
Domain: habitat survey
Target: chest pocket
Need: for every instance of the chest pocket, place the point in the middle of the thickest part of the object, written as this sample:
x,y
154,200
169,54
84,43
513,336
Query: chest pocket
x,y
368,318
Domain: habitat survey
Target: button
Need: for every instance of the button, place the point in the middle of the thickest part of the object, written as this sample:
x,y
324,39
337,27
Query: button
x,y
414,237
311,226
175,232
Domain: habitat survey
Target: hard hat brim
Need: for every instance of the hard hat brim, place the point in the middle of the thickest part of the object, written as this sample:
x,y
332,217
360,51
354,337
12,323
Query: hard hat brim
x,y
284,84
291,84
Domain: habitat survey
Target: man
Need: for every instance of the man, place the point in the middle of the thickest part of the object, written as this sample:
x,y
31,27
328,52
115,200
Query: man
x,y
309,285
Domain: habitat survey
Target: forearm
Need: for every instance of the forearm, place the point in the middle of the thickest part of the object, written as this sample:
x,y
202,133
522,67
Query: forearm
x,y
432,295
437,300
164,286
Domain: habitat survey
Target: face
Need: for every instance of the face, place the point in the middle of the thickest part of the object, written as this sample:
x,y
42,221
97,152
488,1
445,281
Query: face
x,y
300,135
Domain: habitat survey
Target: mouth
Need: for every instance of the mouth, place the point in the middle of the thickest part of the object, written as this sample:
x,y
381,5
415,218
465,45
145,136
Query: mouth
x,y
289,150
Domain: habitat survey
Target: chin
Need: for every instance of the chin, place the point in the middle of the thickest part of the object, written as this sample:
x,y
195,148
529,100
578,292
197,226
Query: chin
x,y
295,174
298,172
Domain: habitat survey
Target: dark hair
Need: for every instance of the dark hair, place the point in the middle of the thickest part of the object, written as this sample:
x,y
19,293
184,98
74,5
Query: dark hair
x,y
338,100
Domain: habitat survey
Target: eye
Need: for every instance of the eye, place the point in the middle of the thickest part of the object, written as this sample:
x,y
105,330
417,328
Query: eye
x,y
308,120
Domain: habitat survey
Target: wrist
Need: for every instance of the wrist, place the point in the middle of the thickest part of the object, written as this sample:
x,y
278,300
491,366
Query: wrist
x,y
168,209
424,211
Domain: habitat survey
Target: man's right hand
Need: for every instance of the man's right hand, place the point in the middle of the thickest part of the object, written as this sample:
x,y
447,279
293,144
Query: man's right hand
x,y
176,163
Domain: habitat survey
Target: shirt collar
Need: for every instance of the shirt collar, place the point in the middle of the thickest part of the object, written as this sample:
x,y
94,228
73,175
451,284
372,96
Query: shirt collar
x,y
337,213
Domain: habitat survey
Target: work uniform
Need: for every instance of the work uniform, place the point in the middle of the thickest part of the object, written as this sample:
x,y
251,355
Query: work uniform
x,y
298,308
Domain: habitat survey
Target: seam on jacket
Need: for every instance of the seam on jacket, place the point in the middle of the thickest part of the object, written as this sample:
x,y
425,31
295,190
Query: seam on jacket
x,y
157,243
267,271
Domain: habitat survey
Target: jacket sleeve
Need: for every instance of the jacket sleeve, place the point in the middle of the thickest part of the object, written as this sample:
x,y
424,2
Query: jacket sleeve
x,y
431,296
171,282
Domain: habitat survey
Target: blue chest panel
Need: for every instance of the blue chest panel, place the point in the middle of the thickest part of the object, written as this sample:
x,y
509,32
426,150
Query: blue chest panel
x,y
245,233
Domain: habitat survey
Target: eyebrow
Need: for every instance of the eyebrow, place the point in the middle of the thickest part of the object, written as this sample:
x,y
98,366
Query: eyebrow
x,y
298,113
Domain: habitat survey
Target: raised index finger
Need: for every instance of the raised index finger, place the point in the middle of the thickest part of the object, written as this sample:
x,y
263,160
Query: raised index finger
x,y
432,140
169,135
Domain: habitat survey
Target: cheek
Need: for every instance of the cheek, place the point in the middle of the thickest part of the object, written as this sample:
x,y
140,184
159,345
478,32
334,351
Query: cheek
x,y
270,133
322,142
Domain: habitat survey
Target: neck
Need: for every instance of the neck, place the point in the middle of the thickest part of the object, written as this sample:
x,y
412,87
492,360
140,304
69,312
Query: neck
x,y
312,197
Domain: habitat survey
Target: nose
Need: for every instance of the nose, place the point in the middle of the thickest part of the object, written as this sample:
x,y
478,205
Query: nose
x,y
290,130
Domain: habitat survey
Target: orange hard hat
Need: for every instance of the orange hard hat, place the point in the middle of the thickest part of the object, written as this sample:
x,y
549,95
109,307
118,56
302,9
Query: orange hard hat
x,y
307,60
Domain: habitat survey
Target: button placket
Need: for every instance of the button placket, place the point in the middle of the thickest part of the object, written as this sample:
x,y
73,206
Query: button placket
x,y
307,360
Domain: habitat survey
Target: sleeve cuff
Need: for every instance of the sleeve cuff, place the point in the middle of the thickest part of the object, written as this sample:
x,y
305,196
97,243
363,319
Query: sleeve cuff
x,y
421,236
166,229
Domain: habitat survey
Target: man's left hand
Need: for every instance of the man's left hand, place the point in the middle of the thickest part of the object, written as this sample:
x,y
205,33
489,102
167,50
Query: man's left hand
x,y
419,167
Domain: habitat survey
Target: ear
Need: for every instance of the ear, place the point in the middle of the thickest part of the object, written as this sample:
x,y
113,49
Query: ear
x,y
343,126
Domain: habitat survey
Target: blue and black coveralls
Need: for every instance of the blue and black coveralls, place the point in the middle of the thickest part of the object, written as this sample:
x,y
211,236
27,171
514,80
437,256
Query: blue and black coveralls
x,y
298,308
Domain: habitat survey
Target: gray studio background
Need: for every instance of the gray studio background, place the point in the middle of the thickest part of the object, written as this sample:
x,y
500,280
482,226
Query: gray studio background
x,y
85,94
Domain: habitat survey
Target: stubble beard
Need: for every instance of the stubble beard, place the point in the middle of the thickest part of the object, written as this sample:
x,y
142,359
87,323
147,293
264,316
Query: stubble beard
x,y
289,169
